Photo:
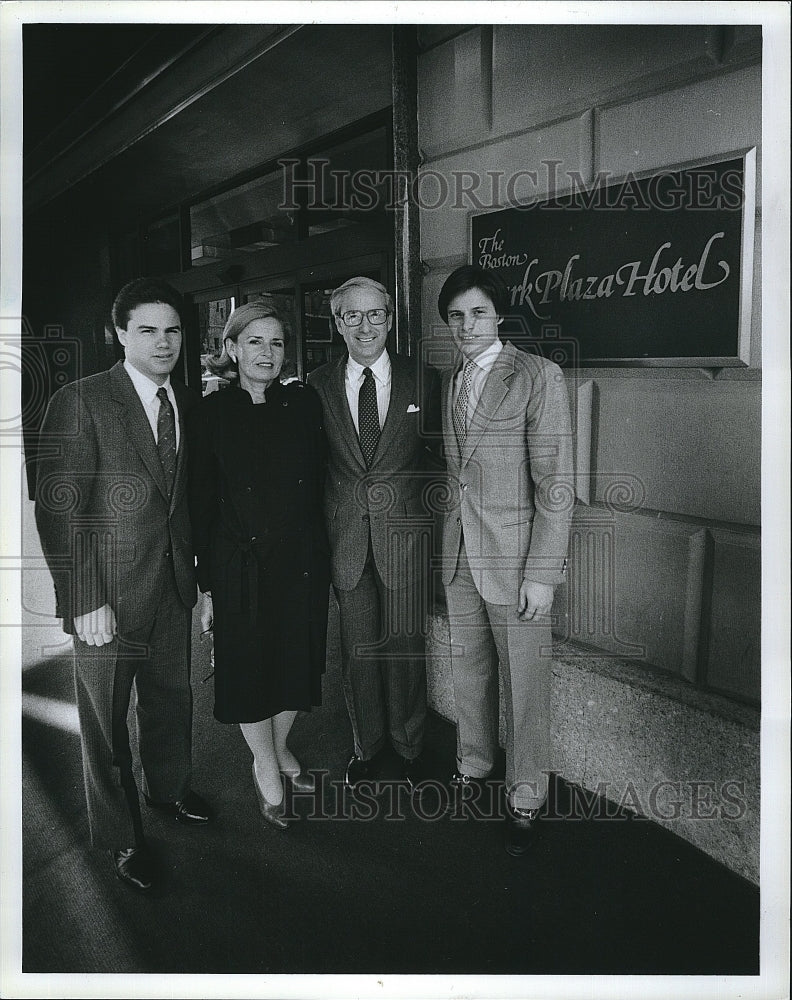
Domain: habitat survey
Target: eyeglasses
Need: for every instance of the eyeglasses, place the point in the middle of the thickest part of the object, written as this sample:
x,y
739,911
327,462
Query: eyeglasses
x,y
354,317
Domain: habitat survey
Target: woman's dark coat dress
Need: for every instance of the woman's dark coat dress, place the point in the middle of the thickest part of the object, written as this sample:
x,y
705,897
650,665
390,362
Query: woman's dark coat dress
x,y
256,475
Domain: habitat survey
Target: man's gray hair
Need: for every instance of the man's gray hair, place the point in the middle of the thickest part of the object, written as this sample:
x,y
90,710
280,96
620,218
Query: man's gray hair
x,y
360,282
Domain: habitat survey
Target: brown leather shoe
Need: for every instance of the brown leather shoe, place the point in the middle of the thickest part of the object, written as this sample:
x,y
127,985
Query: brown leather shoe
x,y
520,830
466,792
135,867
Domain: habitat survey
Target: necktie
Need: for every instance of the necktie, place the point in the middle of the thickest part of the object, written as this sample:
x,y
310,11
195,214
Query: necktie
x,y
166,437
461,405
368,416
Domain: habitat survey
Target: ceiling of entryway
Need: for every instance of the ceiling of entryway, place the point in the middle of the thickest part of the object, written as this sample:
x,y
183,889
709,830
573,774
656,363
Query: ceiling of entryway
x,y
137,118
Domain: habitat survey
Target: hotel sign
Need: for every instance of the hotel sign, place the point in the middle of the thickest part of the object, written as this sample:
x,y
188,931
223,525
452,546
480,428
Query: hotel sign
x,y
655,270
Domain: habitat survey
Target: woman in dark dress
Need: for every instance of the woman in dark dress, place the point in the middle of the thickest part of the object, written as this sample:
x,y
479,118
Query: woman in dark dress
x,y
257,457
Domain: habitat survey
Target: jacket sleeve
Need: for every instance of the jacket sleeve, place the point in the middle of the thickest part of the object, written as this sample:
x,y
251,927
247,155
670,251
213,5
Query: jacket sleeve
x,y
68,522
551,458
203,485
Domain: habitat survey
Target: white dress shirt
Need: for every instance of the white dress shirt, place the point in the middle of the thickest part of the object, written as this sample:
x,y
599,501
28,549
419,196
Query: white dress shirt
x,y
482,366
381,370
147,391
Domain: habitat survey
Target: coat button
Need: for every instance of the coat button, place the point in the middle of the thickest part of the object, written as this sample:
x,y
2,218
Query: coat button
x,y
299,482
306,575
365,517
459,520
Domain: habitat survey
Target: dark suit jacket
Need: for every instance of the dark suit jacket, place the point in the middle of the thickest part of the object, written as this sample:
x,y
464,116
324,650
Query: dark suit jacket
x,y
392,498
107,527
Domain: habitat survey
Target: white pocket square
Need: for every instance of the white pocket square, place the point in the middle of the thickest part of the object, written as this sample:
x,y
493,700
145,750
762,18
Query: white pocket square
x,y
412,408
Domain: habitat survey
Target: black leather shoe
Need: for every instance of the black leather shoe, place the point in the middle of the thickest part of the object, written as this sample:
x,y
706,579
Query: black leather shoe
x,y
520,830
415,772
135,867
191,809
364,770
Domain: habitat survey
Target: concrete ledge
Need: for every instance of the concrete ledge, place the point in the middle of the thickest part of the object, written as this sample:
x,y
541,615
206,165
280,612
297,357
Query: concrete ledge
x,y
684,758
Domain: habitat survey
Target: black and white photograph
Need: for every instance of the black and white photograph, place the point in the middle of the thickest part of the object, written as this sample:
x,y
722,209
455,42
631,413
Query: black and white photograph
x,y
395,477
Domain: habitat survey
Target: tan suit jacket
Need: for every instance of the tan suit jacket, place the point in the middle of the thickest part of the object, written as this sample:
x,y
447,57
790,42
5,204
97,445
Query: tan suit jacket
x,y
511,484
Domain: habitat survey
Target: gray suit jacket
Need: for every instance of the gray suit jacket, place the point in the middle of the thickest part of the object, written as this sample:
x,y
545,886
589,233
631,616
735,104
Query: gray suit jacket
x,y
511,490
390,497
107,527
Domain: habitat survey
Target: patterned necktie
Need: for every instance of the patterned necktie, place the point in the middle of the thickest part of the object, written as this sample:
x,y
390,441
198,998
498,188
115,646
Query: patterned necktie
x,y
461,405
166,437
368,416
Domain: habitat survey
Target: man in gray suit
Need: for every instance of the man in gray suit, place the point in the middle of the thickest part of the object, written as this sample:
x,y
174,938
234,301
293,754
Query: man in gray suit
x,y
376,408
112,514
508,442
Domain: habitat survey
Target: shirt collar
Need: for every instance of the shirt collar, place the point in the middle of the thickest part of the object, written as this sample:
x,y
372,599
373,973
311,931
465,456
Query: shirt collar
x,y
381,368
487,358
145,388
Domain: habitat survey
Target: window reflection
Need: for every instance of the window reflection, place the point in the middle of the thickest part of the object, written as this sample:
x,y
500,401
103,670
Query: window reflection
x,y
243,220
212,318
351,185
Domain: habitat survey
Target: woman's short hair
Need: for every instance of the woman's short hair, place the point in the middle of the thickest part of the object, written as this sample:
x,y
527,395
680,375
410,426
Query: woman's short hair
x,y
360,282
241,317
140,292
472,276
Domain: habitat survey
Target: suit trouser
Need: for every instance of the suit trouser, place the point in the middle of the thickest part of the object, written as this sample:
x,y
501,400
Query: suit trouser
x,y
383,664
155,657
484,635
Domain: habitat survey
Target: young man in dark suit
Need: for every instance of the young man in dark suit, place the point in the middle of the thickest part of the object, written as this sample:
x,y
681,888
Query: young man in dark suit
x,y
376,409
111,510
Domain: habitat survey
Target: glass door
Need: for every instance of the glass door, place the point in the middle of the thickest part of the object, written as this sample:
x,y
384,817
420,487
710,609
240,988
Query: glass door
x,y
305,297
302,295
211,312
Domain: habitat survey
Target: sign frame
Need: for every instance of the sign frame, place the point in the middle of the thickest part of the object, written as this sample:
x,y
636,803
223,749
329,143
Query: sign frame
x,y
742,358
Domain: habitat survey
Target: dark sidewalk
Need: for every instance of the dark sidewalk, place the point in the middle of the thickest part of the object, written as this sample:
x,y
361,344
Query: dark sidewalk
x,y
388,892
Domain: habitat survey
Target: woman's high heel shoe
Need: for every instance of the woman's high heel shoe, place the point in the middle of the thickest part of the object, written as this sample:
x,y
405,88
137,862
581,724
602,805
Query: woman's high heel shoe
x,y
272,813
303,781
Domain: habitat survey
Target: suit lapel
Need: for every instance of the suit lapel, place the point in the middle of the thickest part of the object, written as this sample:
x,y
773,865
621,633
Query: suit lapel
x,y
339,411
135,419
400,398
452,441
181,455
495,390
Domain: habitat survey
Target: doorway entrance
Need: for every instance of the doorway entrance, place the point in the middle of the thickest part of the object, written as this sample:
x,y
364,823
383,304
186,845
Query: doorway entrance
x,y
303,295
296,231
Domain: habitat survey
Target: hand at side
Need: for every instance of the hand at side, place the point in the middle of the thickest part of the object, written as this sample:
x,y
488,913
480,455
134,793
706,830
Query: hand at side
x,y
96,628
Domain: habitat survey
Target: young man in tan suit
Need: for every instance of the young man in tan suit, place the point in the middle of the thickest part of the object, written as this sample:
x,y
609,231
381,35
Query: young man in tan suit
x,y
508,443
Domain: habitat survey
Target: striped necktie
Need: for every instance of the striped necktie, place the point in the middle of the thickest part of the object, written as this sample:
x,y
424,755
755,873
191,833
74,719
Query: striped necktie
x,y
166,437
461,405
